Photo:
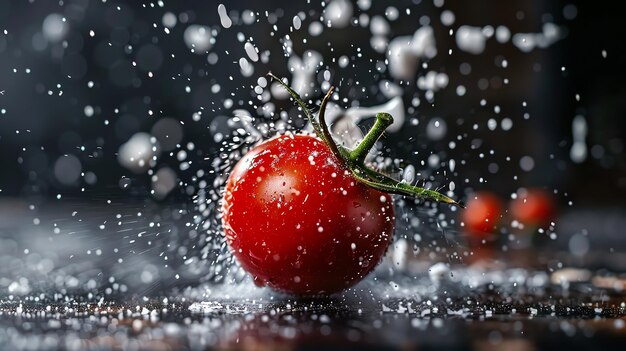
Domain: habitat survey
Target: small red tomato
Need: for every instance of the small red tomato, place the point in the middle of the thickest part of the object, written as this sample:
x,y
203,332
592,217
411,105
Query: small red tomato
x,y
482,214
299,222
534,207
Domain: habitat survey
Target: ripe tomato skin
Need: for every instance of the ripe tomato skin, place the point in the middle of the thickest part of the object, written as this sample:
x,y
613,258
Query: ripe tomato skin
x,y
482,214
533,208
297,220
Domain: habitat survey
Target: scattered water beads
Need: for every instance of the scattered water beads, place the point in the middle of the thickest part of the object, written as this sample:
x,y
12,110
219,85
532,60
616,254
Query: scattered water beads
x,y
199,39
578,152
402,79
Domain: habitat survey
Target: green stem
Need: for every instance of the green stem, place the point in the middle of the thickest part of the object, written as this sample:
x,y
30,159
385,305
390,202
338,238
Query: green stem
x,y
324,127
383,120
300,103
389,185
354,159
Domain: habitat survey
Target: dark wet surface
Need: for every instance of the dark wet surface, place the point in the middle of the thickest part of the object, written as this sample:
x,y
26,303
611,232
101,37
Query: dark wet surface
x,y
489,322
96,283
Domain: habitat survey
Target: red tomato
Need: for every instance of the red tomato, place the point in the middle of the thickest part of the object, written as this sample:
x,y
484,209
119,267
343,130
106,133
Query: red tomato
x,y
534,207
482,214
297,220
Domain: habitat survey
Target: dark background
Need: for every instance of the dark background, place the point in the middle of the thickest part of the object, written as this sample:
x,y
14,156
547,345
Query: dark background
x,y
51,125
73,270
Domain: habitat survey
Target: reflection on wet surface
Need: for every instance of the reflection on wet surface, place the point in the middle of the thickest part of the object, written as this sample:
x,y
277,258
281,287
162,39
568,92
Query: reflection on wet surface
x,y
489,322
93,277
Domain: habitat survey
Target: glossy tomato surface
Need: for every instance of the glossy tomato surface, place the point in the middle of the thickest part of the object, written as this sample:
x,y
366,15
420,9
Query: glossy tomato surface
x,y
482,214
297,220
534,207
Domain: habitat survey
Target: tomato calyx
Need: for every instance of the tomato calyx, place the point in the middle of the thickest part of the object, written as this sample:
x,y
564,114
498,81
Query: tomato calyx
x,y
354,160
